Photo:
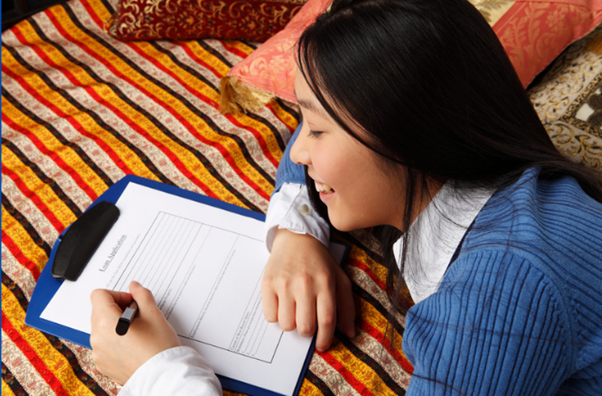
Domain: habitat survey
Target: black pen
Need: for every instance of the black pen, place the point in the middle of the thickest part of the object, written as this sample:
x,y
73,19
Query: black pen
x,y
126,318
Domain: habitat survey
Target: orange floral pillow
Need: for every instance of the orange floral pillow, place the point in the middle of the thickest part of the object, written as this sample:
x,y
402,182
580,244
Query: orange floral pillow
x,y
533,32
192,19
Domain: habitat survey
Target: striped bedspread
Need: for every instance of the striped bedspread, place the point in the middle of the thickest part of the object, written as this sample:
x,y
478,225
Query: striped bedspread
x,y
79,111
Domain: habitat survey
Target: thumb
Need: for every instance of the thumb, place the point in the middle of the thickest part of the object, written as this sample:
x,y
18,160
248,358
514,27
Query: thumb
x,y
143,297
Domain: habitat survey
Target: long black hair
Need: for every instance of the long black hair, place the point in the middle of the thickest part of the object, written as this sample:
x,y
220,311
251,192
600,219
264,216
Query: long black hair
x,y
428,86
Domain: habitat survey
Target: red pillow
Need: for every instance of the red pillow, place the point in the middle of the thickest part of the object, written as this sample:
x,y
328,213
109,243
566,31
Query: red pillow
x,y
256,20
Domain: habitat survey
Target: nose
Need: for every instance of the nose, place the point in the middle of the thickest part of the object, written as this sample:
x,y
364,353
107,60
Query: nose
x,y
300,150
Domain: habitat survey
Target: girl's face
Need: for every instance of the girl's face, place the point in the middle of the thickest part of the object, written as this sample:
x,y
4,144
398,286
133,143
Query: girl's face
x,y
350,178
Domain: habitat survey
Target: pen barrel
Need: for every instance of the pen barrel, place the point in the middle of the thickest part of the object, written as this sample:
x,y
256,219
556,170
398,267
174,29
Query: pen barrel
x,y
129,312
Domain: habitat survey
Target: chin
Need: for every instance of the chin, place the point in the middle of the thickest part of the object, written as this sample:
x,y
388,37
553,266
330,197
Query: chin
x,y
344,229
344,224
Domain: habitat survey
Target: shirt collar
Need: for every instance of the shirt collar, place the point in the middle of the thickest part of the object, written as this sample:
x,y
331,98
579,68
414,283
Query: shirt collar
x,y
436,234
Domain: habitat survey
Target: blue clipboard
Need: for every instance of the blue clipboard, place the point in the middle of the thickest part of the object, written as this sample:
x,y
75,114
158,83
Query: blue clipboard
x,y
47,286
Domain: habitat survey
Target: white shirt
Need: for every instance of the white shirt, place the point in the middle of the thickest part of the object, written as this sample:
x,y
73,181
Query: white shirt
x,y
179,371
290,208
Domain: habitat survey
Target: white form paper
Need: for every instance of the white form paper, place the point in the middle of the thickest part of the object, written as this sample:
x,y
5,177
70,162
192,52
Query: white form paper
x,y
204,266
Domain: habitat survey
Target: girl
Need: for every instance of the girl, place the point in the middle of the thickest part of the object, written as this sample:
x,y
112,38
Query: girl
x,y
415,123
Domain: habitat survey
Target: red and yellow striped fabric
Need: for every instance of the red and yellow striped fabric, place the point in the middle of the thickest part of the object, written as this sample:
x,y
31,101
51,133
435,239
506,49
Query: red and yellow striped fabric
x,y
79,111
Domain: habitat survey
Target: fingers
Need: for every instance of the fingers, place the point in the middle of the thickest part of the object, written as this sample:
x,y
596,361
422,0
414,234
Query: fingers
x,y
336,309
326,312
143,296
286,311
110,299
120,356
305,314
147,307
269,302
303,286
107,307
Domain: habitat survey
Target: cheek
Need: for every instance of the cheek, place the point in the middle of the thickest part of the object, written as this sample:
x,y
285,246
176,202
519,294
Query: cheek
x,y
366,197
339,166
329,166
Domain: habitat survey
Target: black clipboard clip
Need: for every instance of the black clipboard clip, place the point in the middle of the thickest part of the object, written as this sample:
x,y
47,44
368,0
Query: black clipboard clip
x,y
81,240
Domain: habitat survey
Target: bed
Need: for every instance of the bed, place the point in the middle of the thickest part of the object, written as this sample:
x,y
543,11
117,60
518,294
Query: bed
x,y
81,109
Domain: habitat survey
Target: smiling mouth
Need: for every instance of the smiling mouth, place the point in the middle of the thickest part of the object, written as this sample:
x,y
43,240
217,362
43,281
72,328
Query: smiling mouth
x,y
323,188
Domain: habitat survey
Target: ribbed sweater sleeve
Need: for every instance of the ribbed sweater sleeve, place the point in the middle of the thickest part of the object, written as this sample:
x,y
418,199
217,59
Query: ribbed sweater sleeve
x,y
288,171
496,326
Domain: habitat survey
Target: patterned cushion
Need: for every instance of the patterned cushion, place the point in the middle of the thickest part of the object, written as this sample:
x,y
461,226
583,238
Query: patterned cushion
x,y
177,19
533,32
568,100
270,70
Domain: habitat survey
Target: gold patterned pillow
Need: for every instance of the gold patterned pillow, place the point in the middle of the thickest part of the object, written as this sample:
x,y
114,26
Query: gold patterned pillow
x,y
568,100
256,20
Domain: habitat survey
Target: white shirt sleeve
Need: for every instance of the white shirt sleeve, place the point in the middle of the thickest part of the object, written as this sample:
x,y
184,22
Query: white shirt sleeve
x,y
291,209
177,371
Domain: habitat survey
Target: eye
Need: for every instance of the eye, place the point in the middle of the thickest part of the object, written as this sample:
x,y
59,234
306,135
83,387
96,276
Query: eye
x,y
315,134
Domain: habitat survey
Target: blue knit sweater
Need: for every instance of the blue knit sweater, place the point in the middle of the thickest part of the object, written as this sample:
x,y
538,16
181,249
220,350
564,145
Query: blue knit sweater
x,y
520,310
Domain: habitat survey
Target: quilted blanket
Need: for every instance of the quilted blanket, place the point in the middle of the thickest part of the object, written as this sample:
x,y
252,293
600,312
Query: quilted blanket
x,y
79,111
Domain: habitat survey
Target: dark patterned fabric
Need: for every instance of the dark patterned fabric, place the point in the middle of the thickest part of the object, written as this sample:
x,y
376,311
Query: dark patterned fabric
x,y
256,20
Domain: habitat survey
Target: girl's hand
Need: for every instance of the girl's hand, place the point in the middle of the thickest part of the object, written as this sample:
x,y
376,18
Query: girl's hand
x,y
118,357
302,282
